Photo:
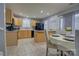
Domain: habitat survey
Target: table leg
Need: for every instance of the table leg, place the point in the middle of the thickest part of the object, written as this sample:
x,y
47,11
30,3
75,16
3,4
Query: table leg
x,y
61,53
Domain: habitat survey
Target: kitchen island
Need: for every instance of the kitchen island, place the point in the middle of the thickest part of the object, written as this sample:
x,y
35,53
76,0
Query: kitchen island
x,y
39,36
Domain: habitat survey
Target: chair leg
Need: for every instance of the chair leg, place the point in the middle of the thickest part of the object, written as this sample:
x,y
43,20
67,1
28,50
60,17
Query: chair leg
x,y
57,52
61,53
47,51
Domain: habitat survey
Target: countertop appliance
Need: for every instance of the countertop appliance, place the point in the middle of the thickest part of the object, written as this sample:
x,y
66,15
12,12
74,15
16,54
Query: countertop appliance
x,y
11,26
39,26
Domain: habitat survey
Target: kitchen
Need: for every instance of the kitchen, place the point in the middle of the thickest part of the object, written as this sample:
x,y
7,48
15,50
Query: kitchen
x,y
26,35
20,29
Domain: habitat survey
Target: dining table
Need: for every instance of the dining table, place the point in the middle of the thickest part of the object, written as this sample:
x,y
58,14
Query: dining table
x,y
62,43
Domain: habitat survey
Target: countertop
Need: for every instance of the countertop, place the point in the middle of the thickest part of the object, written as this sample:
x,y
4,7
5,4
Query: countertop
x,y
12,31
39,30
26,29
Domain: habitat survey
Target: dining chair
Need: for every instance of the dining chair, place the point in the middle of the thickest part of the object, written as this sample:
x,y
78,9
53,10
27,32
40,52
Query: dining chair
x,y
49,44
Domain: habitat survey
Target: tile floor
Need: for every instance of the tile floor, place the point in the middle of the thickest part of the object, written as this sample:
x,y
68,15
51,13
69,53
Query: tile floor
x,y
27,47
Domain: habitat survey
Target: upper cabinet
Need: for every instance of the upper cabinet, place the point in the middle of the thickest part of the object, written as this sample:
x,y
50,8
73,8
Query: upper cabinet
x,y
8,15
18,21
34,23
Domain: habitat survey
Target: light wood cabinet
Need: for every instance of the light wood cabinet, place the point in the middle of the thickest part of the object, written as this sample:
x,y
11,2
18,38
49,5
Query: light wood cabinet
x,y
33,23
51,32
11,38
28,33
8,15
18,21
24,34
39,36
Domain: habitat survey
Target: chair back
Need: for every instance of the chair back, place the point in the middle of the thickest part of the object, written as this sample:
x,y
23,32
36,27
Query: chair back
x,y
46,35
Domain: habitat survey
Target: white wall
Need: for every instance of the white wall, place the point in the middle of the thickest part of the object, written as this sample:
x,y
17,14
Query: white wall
x,y
2,42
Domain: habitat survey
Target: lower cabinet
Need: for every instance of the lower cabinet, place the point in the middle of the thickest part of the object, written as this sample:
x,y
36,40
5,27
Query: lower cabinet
x,y
11,38
29,34
24,34
51,32
39,36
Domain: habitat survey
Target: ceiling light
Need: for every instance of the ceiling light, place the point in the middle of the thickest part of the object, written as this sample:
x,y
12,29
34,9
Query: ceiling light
x,y
47,13
42,11
34,16
20,14
27,16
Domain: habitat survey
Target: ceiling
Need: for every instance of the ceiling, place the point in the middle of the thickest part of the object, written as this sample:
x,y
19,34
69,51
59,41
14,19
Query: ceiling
x,y
38,10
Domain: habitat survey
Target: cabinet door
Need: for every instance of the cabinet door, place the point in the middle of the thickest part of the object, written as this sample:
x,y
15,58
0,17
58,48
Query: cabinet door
x,y
28,33
22,34
8,15
11,38
51,32
40,37
33,23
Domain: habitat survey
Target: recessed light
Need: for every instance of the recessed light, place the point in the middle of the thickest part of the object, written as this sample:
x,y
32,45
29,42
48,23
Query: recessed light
x,y
47,13
27,16
42,11
20,13
34,16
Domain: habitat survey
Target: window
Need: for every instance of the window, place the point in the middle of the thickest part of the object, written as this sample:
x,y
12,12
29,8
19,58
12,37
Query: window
x,y
46,24
55,23
61,23
77,21
26,23
52,23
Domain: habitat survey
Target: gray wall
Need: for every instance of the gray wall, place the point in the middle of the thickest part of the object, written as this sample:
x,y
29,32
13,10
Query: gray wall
x,y
1,15
2,43
77,42
53,23
69,21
